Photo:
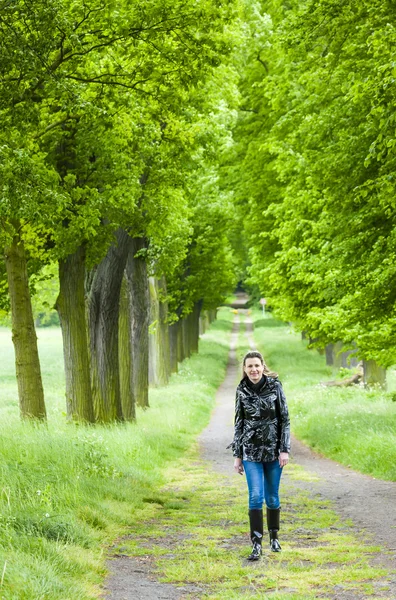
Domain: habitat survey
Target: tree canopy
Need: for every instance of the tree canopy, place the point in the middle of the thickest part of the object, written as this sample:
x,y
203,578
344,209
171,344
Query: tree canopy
x,y
211,142
313,167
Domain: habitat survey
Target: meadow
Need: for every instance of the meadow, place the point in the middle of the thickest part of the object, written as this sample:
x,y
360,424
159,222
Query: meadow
x,y
69,492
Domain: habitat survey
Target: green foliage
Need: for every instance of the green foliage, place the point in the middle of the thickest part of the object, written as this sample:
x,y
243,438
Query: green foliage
x,y
108,124
313,167
206,275
45,288
208,271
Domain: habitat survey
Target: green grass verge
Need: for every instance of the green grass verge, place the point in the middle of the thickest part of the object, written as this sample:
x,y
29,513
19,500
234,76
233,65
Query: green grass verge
x,y
354,426
67,491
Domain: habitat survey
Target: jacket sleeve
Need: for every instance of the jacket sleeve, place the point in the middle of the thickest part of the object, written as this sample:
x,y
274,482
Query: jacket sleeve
x,y
284,420
238,428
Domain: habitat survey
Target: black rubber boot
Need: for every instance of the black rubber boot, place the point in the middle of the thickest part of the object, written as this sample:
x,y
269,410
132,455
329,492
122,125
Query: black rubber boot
x,y
256,532
273,519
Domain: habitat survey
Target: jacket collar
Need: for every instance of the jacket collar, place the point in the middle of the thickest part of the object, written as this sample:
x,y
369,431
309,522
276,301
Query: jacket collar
x,y
251,387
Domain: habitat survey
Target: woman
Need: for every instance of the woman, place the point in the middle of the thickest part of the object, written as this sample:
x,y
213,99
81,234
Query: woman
x,y
261,445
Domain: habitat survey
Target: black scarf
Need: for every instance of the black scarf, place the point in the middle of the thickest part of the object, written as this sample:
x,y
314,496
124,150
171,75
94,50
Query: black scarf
x,y
255,386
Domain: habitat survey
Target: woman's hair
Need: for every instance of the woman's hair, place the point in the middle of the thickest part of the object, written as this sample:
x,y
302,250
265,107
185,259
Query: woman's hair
x,y
257,354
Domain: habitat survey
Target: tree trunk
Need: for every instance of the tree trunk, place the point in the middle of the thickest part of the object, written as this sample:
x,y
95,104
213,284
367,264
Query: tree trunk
x,y
173,347
138,289
349,360
345,360
27,363
159,365
193,327
373,374
186,337
337,355
154,317
70,305
329,355
104,299
181,354
128,400
203,322
212,315
164,346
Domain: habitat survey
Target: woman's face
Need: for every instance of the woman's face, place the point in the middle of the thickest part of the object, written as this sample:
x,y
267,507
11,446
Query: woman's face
x,y
254,369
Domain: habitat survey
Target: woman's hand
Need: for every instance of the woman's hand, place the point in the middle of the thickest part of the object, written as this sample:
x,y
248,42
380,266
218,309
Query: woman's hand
x,y
283,459
238,466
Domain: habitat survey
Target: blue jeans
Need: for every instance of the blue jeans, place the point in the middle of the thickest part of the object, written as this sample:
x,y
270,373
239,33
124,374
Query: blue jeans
x,y
263,480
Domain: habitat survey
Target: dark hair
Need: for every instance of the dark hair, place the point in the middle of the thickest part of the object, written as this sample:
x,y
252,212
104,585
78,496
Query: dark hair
x,y
257,354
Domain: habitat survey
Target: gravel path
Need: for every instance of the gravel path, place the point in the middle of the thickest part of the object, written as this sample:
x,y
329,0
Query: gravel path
x,y
370,504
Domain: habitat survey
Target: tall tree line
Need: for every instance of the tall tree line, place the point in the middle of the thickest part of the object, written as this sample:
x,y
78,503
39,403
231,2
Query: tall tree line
x,y
110,129
312,168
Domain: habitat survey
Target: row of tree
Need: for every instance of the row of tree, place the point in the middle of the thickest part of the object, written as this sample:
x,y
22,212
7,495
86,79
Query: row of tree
x,y
313,167
112,118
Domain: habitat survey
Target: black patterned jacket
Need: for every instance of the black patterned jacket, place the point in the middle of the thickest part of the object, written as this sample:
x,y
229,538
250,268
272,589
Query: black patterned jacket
x,y
262,424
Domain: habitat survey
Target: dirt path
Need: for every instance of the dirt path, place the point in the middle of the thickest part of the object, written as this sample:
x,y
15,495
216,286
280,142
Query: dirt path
x,y
369,503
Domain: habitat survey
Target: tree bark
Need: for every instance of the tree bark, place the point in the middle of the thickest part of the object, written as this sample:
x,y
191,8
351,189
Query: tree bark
x,y
138,290
164,346
195,326
103,310
181,355
374,375
345,360
329,355
71,308
154,317
173,347
159,365
337,355
186,337
203,322
128,400
349,360
212,315
27,363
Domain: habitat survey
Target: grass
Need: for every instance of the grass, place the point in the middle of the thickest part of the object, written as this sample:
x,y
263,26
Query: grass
x,y
197,528
197,533
352,425
67,491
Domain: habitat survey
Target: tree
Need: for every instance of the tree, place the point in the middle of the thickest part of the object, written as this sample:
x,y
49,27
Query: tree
x,y
316,171
24,180
99,96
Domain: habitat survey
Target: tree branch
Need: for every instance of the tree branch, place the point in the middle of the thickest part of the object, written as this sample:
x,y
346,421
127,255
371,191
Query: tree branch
x,y
57,124
262,62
